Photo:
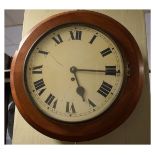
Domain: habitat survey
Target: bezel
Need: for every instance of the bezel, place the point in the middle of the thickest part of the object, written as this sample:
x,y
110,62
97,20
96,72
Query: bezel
x,y
118,112
40,39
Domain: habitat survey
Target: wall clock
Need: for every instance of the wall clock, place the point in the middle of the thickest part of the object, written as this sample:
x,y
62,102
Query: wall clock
x,y
77,75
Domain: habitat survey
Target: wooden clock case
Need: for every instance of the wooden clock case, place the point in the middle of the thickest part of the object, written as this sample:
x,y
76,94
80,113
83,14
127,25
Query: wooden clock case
x,y
111,118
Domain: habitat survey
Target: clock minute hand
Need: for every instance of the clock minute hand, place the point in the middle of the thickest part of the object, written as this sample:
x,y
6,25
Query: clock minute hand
x,y
90,70
109,70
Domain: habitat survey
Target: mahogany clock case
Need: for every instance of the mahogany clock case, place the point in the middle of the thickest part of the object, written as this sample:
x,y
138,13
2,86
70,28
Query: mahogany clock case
x,y
118,112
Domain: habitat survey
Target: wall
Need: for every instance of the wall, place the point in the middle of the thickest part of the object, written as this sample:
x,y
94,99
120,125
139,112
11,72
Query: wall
x,y
12,39
136,130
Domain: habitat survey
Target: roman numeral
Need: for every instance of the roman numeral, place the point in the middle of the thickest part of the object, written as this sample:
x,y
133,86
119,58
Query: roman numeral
x,y
76,35
105,89
110,70
41,91
92,39
50,100
91,103
37,69
58,39
105,52
39,86
43,52
70,108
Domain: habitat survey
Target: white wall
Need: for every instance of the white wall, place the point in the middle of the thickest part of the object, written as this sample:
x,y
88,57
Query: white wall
x,y
13,36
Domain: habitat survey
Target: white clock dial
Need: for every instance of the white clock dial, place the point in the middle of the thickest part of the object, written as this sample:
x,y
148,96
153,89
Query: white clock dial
x,y
74,73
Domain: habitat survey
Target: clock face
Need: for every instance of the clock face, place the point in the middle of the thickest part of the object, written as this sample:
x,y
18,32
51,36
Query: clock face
x,y
74,73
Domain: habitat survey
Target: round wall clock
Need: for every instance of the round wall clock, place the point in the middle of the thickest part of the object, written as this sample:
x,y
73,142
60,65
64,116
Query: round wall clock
x,y
77,75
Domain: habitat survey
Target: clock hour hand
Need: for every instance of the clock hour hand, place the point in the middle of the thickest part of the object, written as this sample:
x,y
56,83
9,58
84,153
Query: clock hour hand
x,y
80,90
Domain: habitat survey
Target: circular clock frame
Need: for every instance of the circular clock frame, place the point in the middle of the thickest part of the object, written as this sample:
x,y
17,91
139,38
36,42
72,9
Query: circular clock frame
x,y
118,112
